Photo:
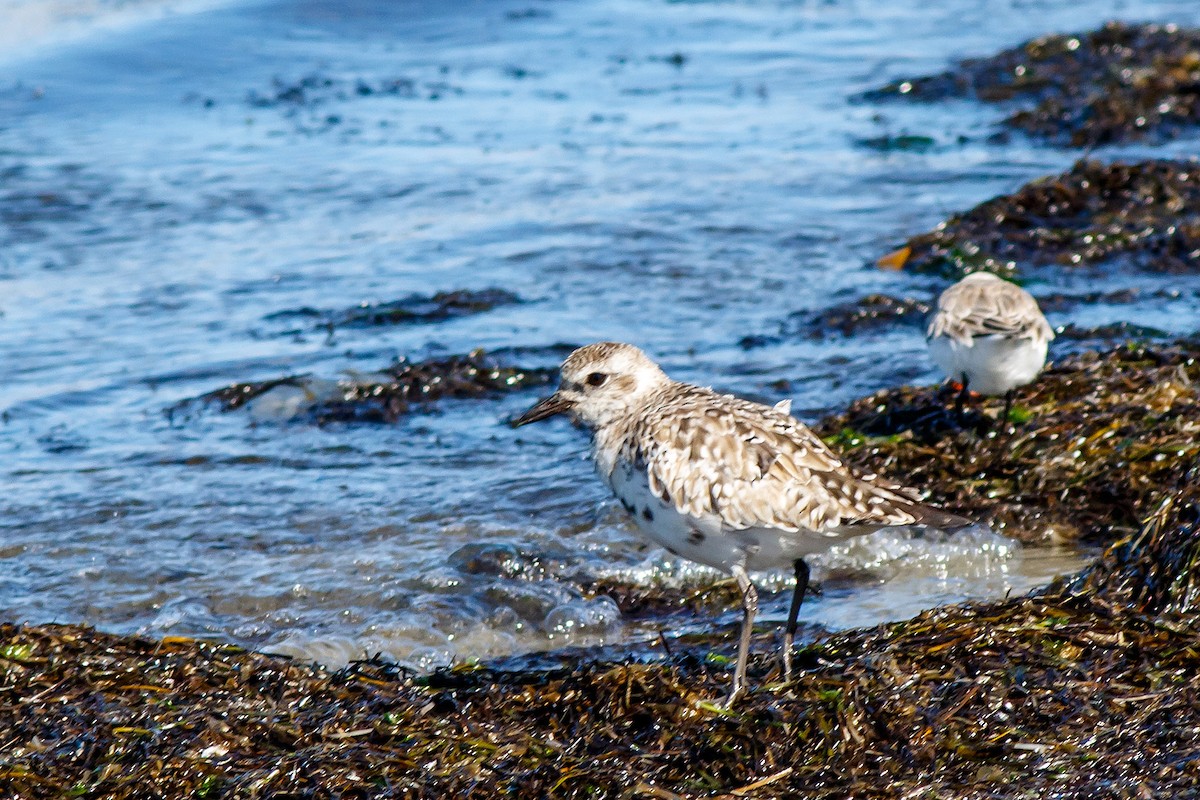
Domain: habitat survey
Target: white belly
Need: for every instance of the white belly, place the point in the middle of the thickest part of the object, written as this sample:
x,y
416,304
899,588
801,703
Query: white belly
x,y
992,365
704,539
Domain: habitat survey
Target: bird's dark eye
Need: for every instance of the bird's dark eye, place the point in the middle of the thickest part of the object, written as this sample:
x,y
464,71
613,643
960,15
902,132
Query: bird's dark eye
x,y
596,379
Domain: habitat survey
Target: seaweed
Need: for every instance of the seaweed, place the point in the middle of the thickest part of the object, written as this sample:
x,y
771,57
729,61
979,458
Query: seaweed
x,y
1064,301
870,313
1104,432
1119,83
391,393
1113,331
237,395
1157,571
1146,215
413,309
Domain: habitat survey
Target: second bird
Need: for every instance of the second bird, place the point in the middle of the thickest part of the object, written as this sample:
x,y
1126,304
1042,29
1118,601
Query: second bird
x,y
989,335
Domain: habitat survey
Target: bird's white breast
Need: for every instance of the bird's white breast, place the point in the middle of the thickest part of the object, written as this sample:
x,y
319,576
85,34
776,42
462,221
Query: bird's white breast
x,y
992,364
705,539
660,522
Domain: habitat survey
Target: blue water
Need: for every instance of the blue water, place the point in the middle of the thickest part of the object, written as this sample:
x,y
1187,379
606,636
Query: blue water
x,y
675,174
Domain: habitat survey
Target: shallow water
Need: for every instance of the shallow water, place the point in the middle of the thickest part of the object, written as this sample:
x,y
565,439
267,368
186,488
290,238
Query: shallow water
x,y
676,174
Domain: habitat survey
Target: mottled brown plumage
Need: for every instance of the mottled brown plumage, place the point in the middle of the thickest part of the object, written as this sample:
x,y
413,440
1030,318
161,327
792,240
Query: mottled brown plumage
x,y
982,304
753,467
719,480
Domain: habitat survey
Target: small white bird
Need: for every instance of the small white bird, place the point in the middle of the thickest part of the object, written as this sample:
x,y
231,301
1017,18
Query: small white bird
x,y
989,335
722,481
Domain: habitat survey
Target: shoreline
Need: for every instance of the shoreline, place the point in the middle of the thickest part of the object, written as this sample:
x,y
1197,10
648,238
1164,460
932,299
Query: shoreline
x,y
1079,687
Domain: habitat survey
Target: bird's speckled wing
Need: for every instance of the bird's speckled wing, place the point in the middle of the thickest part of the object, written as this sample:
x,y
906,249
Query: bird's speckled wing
x,y
755,467
995,307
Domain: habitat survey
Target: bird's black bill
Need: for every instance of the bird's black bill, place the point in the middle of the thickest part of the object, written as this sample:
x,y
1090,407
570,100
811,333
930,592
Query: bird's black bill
x,y
552,405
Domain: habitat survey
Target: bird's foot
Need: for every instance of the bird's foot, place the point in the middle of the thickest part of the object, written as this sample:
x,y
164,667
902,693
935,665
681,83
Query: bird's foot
x,y
734,693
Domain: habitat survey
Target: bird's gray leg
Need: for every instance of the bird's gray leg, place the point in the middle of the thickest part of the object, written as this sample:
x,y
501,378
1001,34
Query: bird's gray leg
x,y
1008,401
789,633
749,610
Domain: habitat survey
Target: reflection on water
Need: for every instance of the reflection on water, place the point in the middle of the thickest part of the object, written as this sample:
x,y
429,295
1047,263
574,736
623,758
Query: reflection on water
x,y
679,175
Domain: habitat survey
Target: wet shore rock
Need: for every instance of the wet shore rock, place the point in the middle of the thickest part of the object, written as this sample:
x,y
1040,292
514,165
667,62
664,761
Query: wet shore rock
x,y
1139,216
379,397
1122,82
1084,686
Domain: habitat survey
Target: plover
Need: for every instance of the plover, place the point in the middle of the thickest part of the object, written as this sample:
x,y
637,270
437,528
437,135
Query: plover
x,y
722,481
989,335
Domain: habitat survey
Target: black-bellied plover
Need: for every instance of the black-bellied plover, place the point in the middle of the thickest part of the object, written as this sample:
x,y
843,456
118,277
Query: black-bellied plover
x,y
722,481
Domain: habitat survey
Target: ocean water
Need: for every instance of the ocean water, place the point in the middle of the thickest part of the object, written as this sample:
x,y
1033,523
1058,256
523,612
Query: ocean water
x,y
676,174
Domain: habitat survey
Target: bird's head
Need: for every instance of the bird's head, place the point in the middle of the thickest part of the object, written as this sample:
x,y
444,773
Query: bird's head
x,y
601,383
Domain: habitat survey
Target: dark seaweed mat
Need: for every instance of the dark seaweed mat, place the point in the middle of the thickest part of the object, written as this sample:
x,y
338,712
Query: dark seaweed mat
x,y
1086,690
413,309
413,384
1146,214
1117,84
1111,331
1106,433
871,312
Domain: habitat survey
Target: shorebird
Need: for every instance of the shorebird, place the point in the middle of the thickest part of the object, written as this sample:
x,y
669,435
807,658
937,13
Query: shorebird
x,y
722,481
989,335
